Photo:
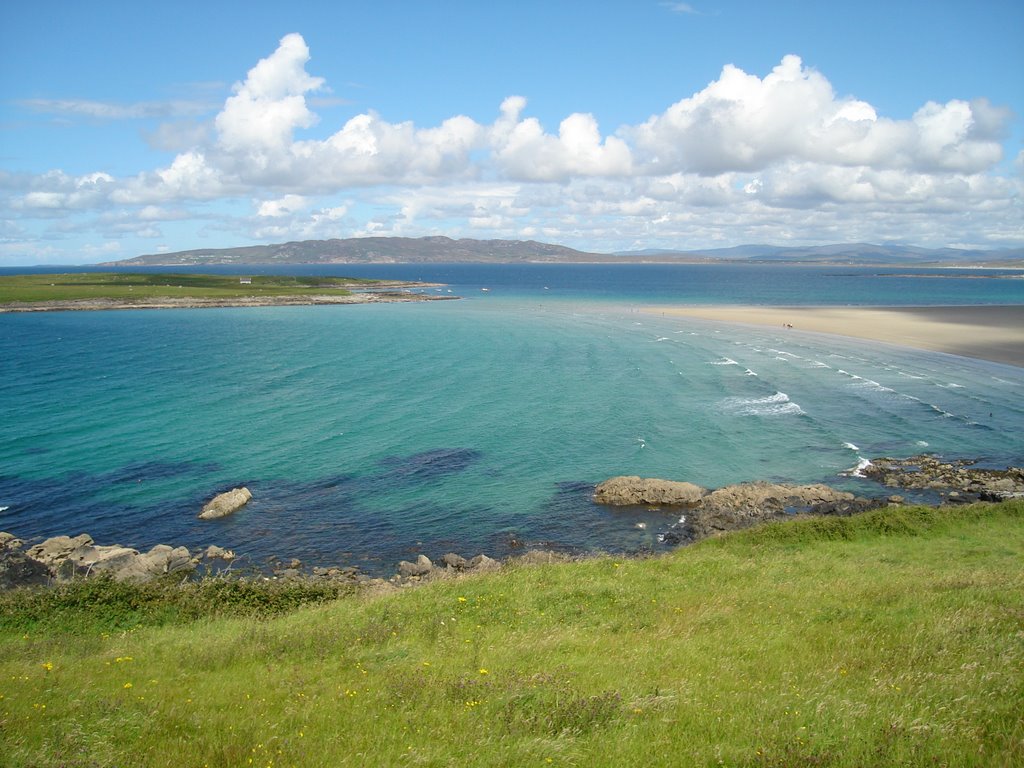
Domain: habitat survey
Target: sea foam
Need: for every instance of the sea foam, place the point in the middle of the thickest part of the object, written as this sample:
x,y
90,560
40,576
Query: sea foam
x,y
777,404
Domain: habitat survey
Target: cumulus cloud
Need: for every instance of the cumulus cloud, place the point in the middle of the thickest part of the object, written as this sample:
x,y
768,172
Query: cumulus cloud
x,y
285,206
741,122
747,158
270,104
523,150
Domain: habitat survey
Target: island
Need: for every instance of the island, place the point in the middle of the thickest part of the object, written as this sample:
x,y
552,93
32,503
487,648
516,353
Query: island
x,y
122,290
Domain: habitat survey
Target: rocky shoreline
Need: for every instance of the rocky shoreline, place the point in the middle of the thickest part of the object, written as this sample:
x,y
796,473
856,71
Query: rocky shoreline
x,y
700,513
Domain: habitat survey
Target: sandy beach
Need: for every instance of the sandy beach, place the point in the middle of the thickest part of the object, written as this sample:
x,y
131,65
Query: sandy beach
x,y
994,333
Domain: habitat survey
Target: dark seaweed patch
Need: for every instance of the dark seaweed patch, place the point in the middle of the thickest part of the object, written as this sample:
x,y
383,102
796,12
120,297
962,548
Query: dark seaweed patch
x,y
428,466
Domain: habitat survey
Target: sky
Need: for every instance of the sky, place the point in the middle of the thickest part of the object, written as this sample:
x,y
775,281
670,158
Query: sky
x,y
131,128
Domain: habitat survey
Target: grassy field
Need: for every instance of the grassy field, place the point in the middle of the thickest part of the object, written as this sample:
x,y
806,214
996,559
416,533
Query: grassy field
x,y
126,286
892,638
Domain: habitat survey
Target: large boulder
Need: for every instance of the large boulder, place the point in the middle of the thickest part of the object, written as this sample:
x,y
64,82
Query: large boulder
x,y
163,559
422,567
225,503
633,490
483,563
102,559
58,548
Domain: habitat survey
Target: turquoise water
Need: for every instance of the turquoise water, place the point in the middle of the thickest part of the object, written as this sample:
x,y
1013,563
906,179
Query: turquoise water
x,y
369,433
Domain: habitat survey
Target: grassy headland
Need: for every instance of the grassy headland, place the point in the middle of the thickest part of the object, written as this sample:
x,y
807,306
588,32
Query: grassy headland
x,y
130,286
112,290
891,638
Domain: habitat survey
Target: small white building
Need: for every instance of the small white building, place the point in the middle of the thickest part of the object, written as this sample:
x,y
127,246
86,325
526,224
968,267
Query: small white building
x,y
245,280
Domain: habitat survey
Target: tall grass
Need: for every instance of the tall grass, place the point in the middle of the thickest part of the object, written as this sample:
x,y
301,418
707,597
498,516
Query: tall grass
x,y
891,638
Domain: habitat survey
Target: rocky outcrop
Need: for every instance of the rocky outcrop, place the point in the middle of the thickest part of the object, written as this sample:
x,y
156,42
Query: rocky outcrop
x,y
751,498
759,497
225,504
706,513
67,558
58,548
958,479
632,490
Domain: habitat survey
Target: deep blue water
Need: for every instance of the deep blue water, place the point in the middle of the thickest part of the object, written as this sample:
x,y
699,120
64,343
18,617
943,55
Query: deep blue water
x,y
368,433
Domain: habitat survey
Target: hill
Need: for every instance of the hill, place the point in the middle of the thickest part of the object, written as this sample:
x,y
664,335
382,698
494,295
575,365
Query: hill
x,y
445,250
849,253
373,250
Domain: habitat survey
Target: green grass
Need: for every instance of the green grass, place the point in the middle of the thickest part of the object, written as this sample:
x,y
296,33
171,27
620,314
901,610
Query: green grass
x,y
125,286
891,638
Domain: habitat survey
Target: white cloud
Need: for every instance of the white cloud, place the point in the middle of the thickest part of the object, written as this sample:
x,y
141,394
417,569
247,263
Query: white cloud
x,y
270,104
105,110
747,158
741,122
683,8
285,206
524,151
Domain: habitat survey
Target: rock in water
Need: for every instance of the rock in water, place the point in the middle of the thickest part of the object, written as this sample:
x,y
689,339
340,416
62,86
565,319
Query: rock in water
x,y
225,504
630,490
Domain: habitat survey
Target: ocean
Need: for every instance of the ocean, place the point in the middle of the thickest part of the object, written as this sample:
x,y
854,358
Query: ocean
x,y
371,433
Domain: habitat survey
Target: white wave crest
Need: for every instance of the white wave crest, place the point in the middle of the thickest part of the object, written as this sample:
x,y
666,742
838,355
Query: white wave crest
x,y
723,361
851,446
858,471
778,404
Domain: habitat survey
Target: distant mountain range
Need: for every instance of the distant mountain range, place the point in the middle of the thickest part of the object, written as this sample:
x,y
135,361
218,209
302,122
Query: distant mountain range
x,y
407,250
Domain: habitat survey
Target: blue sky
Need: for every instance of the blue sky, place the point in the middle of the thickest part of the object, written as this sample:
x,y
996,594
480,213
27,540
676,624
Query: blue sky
x,y
136,127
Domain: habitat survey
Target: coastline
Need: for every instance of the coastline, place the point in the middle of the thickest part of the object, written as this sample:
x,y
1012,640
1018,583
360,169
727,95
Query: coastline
x,y
987,332
170,302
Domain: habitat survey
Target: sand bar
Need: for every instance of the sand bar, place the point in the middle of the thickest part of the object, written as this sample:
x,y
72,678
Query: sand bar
x,y
994,333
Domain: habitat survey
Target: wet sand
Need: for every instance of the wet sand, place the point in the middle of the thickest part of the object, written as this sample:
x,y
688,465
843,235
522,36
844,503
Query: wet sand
x,y
994,333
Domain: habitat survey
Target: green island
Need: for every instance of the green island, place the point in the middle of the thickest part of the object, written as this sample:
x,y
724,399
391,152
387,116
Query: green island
x,y
117,290
892,637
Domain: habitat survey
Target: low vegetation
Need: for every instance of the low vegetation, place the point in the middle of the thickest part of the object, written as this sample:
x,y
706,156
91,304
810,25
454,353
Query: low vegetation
x,y
131,286
895,637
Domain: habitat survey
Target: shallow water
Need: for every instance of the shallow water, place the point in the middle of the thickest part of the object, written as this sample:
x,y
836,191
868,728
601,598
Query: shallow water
x,y
368,433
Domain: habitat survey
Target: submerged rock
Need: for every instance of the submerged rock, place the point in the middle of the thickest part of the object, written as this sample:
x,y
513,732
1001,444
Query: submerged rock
x,y
225,504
